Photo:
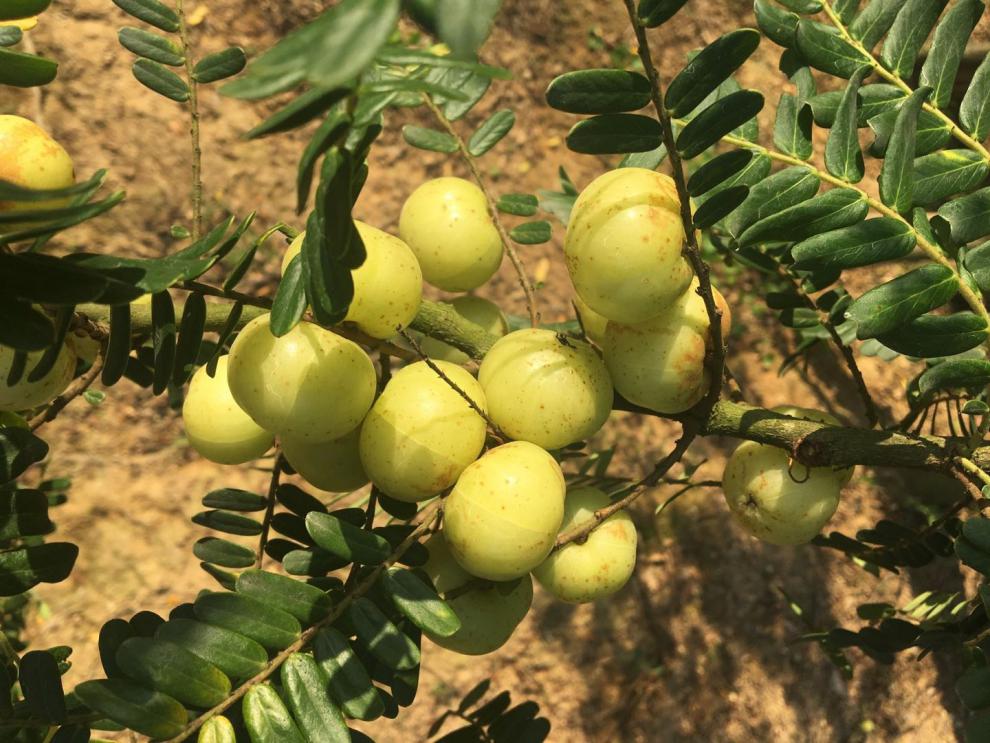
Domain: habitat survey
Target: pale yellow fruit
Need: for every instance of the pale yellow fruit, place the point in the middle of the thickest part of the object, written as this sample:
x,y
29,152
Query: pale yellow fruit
x,y
388,286
660,364
85,346
489,613
309,384
624,243
215,425
25,395
420,433
334,466
547,389
31,159
503,515
602,564
446,223
844,474
774,502
593,323
482,313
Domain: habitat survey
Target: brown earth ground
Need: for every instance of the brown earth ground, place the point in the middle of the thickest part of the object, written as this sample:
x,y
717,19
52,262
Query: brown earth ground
x,y
700,645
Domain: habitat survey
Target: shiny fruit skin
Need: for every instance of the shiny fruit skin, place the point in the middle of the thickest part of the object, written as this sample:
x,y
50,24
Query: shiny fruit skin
x,y
446,223
578,573
30,158
216,426
334,466
489,613
844,474
310,384
660,364
388,286
623,245
482,313
503,515
774,504
26,395
545,389
592,323
421,434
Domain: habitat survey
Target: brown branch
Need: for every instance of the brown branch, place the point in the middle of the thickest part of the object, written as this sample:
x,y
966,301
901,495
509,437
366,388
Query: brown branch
x,y
73,391
527,287
423,520
266,523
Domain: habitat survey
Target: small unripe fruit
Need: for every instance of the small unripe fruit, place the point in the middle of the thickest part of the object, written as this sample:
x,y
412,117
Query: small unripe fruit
x,y
31,159
503,515
593,323
489,613
446,223
602,564
388,286
421,434
775,500
309,384
624,243
334,466
660,364
482,313
544,388
25,395
215,425
844,474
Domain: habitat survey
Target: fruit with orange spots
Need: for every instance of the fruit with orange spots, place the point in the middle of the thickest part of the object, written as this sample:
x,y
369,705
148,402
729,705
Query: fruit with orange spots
x,y
489,612
481,312
599,566
503,515
334,466
215,425
592,322
310,384
25,394
388,286
421,434
623,245
660,364
30,158
549,389
446,223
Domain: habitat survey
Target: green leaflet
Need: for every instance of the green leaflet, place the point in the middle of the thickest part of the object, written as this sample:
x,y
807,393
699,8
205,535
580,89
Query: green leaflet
x,y
272,628
598,91
491,132
974,111
161,80
861,244
420,603
874,21
305,688
779,25
154,47
151,12
223,552
718,170
146,712
172,669
945,173
977,263
267,719
228,522
843,156
709,69
827,51
306,603
217,730
897,172
948,45
874,99
237,656
955,374
931,134
719,119
219,65
773,194
350,684
41,685
839,207
968,217
24,568
346,540
615,134
381,637
900,300
792,127
914,22
931,336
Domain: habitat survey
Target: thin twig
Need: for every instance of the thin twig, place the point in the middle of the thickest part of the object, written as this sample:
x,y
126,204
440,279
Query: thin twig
x,y
411,340
71,393
266,523
423,521
527,287
197,153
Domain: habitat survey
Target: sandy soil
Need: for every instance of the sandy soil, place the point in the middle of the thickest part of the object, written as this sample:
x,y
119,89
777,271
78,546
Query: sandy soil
x,y
700,646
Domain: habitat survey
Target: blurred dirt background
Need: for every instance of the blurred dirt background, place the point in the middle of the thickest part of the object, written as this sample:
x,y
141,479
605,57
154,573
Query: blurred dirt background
x,y
701,644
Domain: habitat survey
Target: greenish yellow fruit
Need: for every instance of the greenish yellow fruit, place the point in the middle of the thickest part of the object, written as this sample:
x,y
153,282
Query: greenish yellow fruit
x,y
660,364
420,433
215,425
482,313
334,466
31,159
446,223
624,243
388,286
503,515
844,474
489,613
546,389
593,323
602,564
309,384
86,348
26,395
775,500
